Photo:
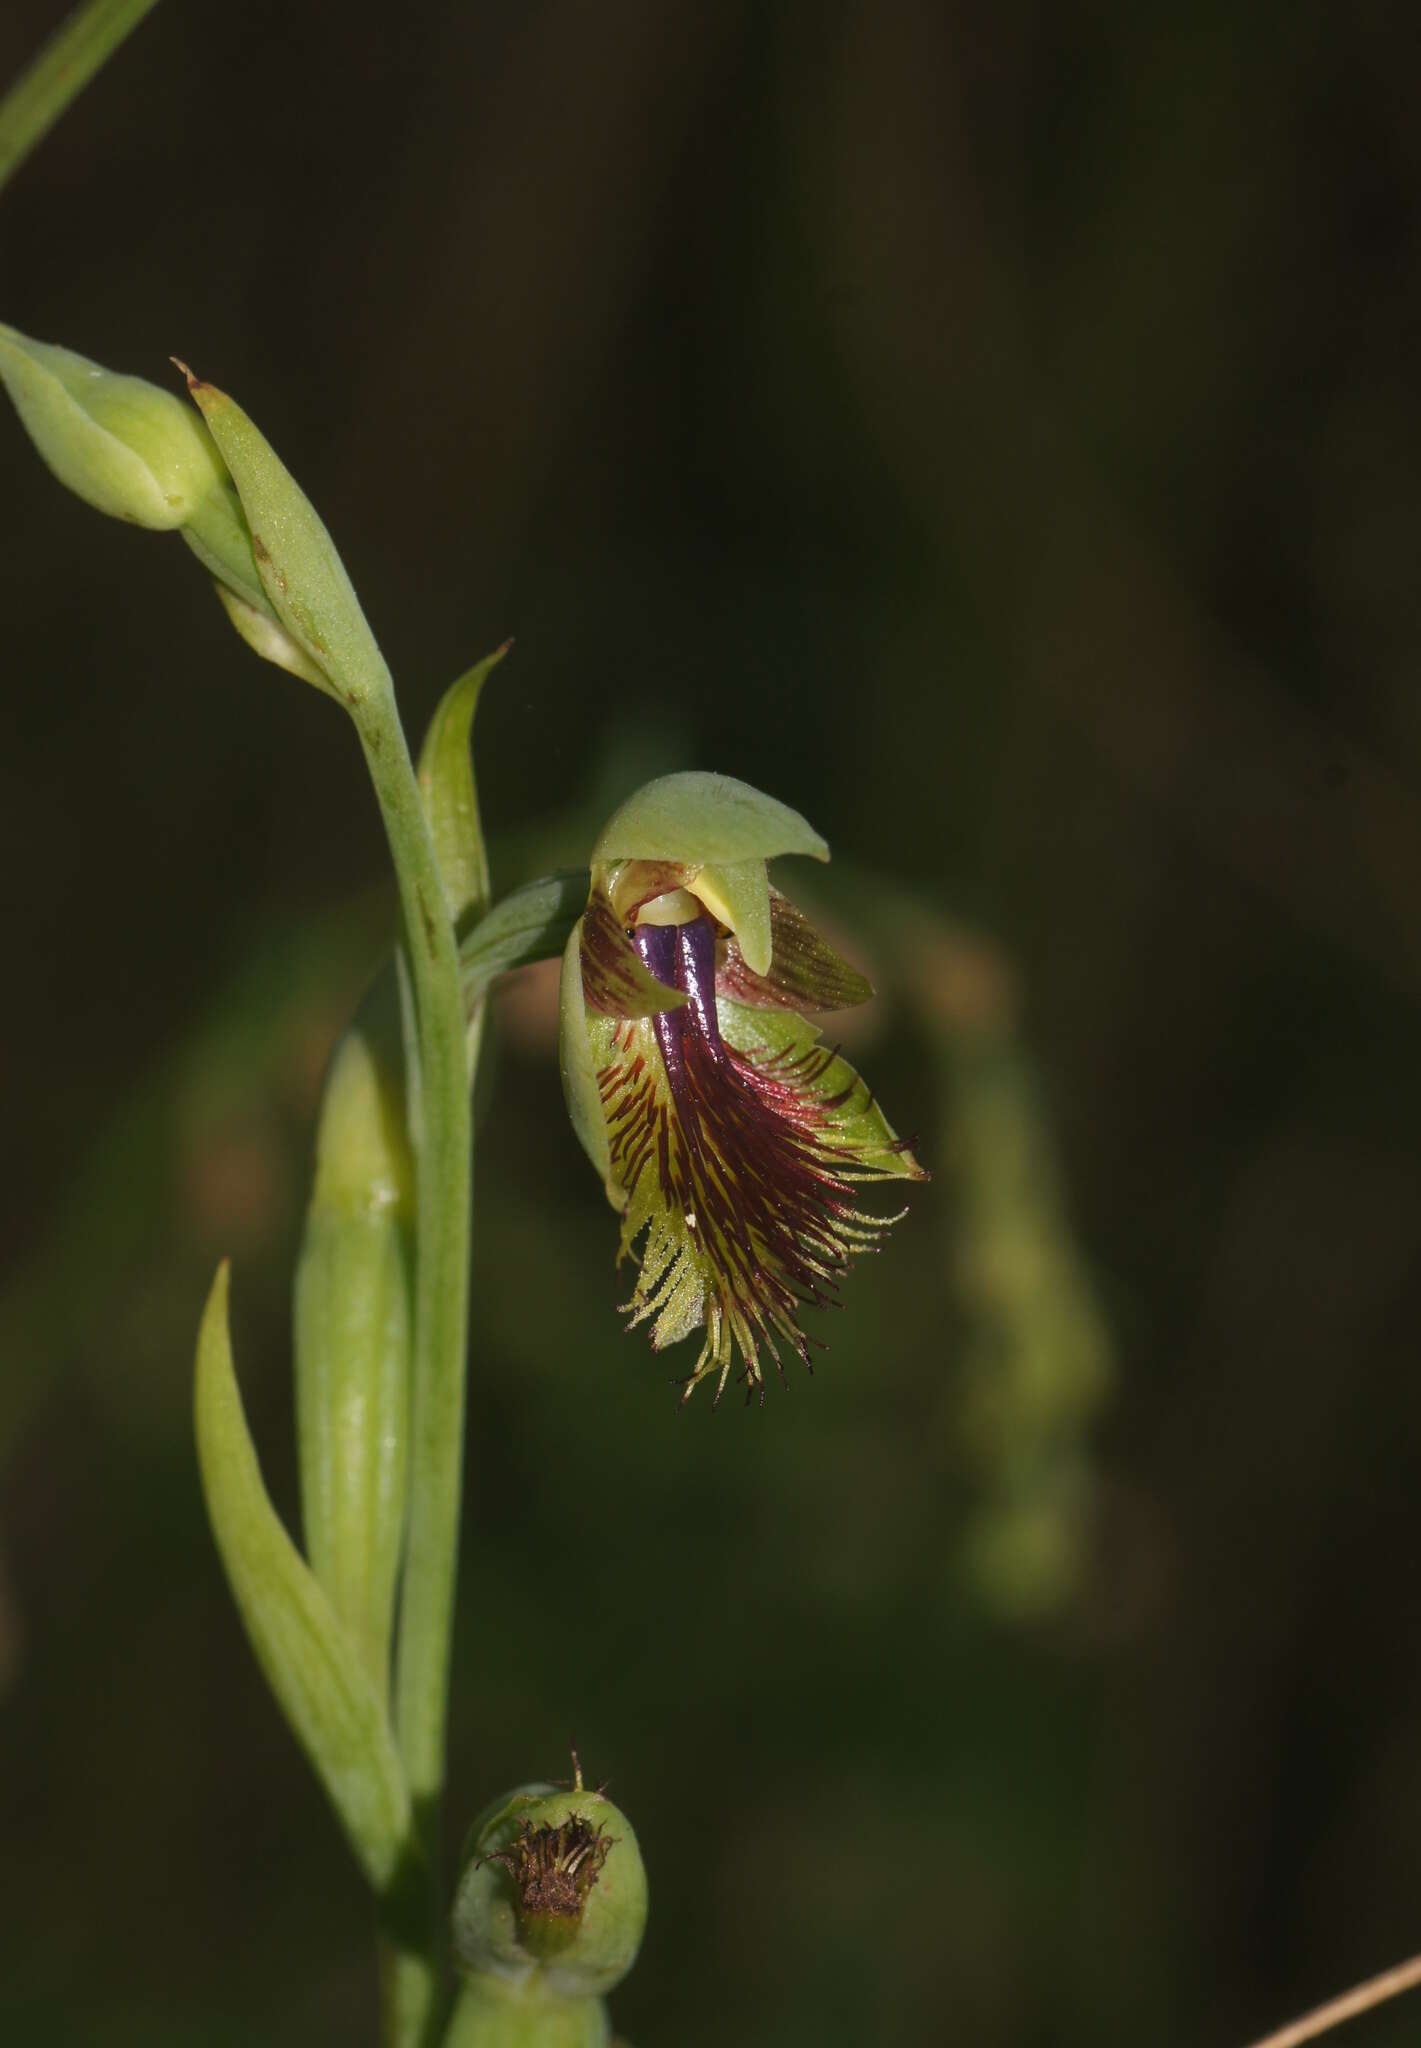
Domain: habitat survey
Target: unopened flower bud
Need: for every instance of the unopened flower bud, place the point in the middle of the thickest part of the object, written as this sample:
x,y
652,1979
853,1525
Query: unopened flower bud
x,y
139,453
125,446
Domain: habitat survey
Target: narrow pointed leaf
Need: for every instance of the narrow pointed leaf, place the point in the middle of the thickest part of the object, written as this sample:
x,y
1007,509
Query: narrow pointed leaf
x,y
695,817
300,570
309,1662
451,804
532,923
352,1330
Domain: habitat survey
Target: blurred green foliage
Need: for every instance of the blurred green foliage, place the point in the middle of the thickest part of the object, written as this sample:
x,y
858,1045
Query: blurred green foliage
x,y
997,434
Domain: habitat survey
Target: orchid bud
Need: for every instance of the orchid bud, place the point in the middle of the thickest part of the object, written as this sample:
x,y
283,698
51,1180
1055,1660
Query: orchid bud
x,y
138,453
353,1322
731,1141
551,1903
123,445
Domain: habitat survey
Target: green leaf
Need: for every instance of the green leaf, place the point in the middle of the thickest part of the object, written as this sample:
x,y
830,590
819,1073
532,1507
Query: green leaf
x,y
579,1077
309,1662
695,818
451,804
125,446
353,1330
296,559
531,923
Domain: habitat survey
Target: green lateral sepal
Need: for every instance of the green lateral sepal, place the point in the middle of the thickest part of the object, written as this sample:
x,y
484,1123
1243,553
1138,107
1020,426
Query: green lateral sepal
x,y
310,1663
578,1069
805,972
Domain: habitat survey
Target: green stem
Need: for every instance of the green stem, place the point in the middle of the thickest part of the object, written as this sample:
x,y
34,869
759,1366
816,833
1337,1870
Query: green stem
x,y
489,2014
444,1161
60,72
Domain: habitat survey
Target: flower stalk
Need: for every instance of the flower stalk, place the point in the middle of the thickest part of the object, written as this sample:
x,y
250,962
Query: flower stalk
x,y
78,48
311,595
443,1182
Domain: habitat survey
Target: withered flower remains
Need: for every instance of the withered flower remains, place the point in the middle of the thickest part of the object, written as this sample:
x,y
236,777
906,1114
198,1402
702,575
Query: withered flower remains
x,y
731,1139
553,1868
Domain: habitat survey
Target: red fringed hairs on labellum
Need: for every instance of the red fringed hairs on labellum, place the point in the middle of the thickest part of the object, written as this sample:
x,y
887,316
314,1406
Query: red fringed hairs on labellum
x,y
733,1141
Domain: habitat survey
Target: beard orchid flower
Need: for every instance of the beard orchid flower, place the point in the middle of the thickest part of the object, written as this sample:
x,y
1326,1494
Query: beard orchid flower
x,y
731,1140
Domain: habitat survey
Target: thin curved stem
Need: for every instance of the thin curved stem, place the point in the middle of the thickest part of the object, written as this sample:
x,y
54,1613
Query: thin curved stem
x,y
444,1165
59,74
1361,1998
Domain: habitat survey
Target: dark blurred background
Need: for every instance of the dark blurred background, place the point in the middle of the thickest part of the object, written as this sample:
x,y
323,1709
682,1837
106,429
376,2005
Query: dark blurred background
x,y
995,429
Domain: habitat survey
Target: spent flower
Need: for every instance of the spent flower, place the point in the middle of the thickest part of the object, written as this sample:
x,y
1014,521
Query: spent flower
x,y
552,1897
731,1139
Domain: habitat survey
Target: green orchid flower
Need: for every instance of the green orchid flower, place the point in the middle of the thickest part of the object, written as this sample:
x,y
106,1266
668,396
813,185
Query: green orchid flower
x,y
732,1141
